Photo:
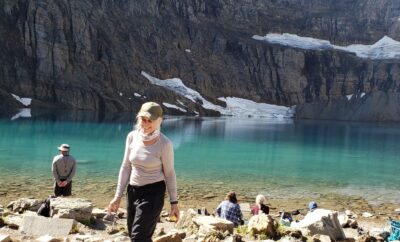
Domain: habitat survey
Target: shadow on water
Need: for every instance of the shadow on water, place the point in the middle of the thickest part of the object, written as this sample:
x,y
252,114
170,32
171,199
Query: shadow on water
x,y
68,115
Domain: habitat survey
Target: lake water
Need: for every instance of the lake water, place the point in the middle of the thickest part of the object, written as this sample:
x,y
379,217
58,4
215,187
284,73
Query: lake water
x,y
280,158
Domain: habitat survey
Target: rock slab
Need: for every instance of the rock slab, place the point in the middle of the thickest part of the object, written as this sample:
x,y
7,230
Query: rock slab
x,y
39,226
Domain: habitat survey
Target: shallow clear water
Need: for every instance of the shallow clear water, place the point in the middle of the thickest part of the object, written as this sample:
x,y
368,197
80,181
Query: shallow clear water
x,y
278,158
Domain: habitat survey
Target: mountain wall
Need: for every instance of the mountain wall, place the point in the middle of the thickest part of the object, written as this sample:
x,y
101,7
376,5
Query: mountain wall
x,y
80,54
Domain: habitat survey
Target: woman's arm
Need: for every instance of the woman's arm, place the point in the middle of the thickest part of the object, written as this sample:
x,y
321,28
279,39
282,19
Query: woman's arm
x,y
126,168
167,159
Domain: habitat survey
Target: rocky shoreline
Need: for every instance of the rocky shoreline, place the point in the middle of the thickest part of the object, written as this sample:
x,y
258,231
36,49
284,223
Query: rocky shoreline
x,y
19,222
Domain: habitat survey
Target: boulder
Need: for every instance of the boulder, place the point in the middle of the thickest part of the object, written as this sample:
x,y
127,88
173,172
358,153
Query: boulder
x,y
322,238
350,233
343,220
23,204
13,220
367,214
48,238
122,238
186,218
72,208
85,237
353,223
39,226
99,213
263,224
171,237
213,236
350,214
366,238
207,223
5,238
286,239
379,232
321,221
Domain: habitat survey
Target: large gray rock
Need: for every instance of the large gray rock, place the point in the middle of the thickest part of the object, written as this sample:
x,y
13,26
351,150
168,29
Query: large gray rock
x,y
99,213
263,224
23,204
73,208
321,221
5,238
13,220
39,226
186,219
48,238
209,223
170,237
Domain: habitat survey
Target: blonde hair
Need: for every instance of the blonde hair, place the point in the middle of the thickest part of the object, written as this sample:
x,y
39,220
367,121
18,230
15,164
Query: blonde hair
x,y
158,122
260,199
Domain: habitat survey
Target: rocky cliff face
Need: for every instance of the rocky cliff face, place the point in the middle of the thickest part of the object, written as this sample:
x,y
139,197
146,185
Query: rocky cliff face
x,y
89,54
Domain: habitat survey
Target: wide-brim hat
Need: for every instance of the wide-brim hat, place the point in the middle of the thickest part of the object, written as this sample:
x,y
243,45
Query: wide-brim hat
x,y
150,110
63,147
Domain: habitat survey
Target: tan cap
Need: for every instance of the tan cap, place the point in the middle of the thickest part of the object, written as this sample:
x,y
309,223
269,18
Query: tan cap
x,y
150,110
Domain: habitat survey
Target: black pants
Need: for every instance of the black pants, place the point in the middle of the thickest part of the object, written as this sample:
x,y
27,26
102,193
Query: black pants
x,y
144,205
63,191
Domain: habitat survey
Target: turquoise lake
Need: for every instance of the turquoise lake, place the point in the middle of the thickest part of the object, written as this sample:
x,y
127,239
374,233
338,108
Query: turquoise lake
x,y
280,158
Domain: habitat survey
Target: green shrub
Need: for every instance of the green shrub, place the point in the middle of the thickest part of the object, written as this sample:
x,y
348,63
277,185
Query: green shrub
x,y
242,229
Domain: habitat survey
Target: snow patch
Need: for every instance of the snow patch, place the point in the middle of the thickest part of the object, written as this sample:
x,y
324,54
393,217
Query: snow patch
x,y
168,105
176,85
351,95
181,103
296,41
385,48
243,107
24,100
235,106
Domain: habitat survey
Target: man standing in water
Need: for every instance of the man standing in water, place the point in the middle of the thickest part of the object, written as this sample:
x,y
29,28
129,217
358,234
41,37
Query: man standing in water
x,y
64,166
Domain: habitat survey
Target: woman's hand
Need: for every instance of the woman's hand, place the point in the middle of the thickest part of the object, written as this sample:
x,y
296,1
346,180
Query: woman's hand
x,y
114,205
174,212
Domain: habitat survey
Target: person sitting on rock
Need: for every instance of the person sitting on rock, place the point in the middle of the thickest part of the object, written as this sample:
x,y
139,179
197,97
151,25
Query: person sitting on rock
x,y
230,209
259,206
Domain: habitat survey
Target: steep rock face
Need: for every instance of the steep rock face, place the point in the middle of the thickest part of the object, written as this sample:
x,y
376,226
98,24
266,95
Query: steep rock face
x,y
89,54
378,106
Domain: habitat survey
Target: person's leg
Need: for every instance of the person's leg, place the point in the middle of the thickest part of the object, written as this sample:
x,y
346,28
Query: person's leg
x,y
58,191
130,207
67,190
148,209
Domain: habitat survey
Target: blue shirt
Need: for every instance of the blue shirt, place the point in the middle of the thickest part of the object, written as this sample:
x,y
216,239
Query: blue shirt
x,y
230,211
